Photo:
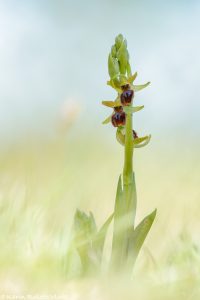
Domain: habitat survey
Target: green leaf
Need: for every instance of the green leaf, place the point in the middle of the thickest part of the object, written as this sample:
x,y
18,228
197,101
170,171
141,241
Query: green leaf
x,y
143,144
118,201
117,242
137,88
139,235
107,120
132,203
100,237
132,109
84,230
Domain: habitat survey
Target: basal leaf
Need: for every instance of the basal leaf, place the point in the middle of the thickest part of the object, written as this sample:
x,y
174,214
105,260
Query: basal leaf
x,y
139,235
100,237
117,228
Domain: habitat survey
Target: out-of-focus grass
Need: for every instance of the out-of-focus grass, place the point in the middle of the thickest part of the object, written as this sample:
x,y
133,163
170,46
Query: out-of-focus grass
x,y
42,183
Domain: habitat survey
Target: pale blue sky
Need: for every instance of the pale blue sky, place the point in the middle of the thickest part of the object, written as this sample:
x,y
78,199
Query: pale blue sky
x,y
56,51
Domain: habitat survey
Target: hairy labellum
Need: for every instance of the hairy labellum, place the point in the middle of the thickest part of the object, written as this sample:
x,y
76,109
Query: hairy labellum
x,y
126,97
118,119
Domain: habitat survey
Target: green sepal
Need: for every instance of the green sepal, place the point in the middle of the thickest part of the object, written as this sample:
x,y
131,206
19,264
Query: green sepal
x,y
111,83
111,104
137,88
139,235
144,143
120,136
116,87
118,81
107,120
138,141
132,109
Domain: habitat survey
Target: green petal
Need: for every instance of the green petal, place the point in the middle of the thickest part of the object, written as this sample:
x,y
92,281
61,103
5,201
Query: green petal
x,y
132,78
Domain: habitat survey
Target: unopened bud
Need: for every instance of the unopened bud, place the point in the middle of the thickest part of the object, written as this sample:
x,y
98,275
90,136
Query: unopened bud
x,y
118,41
122,56
114,51
113,66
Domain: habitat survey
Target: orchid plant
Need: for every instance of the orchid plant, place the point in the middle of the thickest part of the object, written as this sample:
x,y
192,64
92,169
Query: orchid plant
x,y
127,238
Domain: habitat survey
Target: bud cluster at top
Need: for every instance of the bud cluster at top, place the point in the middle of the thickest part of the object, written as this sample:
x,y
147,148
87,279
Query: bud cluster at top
x,y
118,62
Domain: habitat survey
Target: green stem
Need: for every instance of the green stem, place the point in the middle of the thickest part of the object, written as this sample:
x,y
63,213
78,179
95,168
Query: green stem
x,y
125,203
128,152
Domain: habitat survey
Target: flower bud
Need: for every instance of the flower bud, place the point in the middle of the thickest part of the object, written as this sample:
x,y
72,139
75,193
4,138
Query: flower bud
x,y
118,119
113,66
122,56
114,51
118,41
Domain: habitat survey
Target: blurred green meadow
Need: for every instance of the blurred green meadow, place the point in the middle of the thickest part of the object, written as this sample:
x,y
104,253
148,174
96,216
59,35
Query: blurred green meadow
x,y
43,181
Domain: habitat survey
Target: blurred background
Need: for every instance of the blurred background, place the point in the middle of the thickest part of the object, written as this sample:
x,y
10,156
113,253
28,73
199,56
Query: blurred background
x,y
56,156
